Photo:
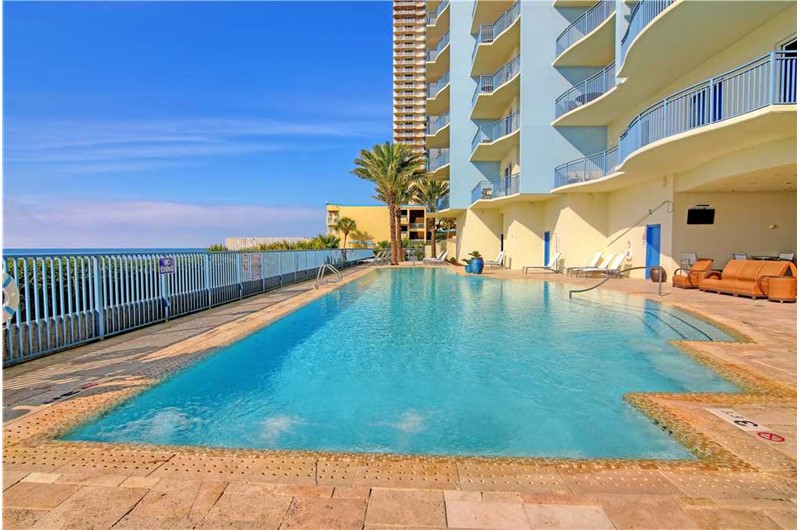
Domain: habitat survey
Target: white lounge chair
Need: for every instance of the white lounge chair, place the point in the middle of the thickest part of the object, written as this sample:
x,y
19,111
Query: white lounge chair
x,y
379,257
611,267
437,260
592,263
603,266
786,256
550,267
498,261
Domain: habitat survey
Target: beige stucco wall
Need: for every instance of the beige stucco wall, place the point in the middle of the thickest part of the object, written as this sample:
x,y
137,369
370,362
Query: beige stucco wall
x,y
523,234
372,222
478,230
758,223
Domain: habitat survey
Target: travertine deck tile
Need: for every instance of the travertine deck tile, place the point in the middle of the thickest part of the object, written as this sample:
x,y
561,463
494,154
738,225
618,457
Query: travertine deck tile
x,y
645,512
510,477
267,488
725,485
243,511
14,518
91,507
317,513
577,517
489,515
43,478
166,505
36,495
409,474
92,479
405,508
728,518
12,477
632,481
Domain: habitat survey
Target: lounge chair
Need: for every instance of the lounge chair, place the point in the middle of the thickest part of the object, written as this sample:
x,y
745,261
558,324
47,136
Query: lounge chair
x,y
437,260
746,277
592,263
611,268
687,259
786,256
379,257
550,267
604,263
689,277
498,261
739,256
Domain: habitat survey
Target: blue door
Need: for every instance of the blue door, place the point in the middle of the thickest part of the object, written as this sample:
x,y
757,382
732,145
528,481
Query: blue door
x,y
652,257
546,248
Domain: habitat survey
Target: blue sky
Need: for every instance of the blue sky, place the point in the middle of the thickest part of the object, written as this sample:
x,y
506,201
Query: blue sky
x,y
176,124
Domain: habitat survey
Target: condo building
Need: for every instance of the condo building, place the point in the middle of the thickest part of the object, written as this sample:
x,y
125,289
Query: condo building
x,y
658,129
408,74
372,223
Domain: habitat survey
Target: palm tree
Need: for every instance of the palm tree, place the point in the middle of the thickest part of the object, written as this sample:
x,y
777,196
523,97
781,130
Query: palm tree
x,y
427,193
393,168
345,225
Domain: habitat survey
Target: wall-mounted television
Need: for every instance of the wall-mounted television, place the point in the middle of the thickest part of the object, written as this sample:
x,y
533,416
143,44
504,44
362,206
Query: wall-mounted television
x,y
700,215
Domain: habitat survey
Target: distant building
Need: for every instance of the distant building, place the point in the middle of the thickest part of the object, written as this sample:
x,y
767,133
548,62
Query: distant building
x,y
372,222
238,243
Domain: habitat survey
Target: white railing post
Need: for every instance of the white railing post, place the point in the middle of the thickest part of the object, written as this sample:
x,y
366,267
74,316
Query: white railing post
x,y
666,129
98,301
207,277
239,273
772,75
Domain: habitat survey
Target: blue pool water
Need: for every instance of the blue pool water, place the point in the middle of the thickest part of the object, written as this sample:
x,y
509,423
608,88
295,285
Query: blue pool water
x,y
425,361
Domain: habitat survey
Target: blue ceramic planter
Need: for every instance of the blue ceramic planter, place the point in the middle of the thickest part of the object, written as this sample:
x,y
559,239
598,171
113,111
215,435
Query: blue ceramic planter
x,y
475,266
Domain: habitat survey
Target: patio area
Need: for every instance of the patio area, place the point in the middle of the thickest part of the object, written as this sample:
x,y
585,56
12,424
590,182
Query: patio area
x,y
742,480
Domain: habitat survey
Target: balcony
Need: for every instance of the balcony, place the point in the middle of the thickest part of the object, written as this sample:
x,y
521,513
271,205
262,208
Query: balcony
x,y
487,11
753,104
487,190
438,58
495,93
438,22
586,92
443,203
494,140
650,38
589,41
417,226
438,164
438,100
438,133
496,41
768,81
582,170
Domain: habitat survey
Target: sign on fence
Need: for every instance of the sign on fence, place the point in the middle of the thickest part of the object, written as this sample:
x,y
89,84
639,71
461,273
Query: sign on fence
x,y
166,265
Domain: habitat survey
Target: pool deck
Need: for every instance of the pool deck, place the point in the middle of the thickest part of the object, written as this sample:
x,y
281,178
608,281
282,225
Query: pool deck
x,y
741,480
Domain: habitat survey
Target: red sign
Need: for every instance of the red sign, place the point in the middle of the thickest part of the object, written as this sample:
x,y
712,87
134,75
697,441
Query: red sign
x,y
771,436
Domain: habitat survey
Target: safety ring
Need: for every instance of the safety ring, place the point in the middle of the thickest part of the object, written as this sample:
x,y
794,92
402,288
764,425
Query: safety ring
x,y
10,297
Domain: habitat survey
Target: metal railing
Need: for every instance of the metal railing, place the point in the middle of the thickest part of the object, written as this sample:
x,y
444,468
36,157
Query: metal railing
x,y
588,90
443,203
641,15
496,188
489,32
416,225
437,122
438,158
327,267
492,131
585,169
433,54
768,80
71,299
585,24
490,83
435,88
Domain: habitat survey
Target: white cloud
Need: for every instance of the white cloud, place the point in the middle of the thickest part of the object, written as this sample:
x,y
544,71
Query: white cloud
x,y
82,223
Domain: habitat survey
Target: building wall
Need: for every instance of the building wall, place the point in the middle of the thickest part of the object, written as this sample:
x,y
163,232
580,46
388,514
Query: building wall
x,y
372,222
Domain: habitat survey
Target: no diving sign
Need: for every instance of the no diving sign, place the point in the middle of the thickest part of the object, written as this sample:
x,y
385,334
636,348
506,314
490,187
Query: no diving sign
x,y
734,418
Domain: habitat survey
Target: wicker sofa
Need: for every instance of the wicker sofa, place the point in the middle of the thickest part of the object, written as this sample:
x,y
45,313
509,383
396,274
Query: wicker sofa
x,y
746,277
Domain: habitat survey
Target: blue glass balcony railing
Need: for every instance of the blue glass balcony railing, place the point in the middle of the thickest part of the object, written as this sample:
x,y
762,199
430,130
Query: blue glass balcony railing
x,y
438,158
586,91
489,32
437,122
584,25
434,53
490,83
641,15
435,88
443,203
768,80
585,169
492,131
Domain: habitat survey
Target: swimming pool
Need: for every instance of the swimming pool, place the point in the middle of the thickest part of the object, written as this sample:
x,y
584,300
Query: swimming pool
x,y
425,361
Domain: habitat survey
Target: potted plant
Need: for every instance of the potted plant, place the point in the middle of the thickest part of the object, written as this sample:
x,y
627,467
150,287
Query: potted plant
x,y
474,263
